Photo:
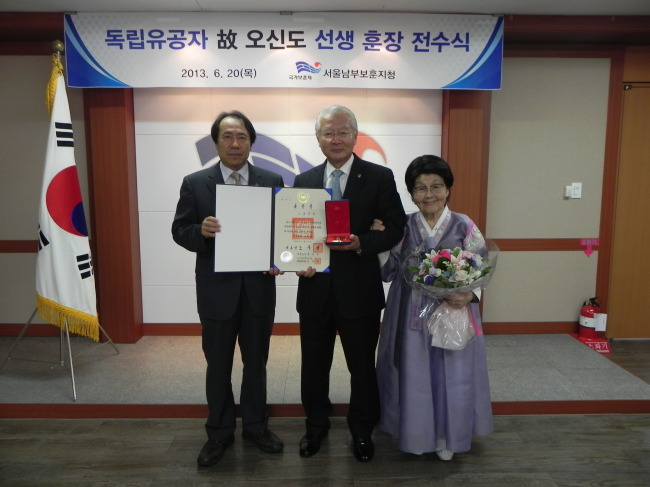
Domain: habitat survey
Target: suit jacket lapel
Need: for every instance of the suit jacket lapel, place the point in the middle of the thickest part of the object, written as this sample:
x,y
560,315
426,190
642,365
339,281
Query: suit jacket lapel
x,y
216,176
319,176
355,179
254,177
213,178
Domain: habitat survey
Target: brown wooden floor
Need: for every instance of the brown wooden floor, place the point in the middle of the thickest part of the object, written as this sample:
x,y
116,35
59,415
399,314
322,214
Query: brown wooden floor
x,y
633,356
536,450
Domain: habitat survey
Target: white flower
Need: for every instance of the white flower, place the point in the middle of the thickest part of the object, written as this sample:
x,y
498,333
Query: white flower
x,y
460,276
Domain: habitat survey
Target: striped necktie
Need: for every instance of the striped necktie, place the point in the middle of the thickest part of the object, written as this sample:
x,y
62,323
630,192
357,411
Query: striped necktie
x,y
237,177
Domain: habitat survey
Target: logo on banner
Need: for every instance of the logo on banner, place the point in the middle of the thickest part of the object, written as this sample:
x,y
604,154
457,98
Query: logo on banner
x,y
304,66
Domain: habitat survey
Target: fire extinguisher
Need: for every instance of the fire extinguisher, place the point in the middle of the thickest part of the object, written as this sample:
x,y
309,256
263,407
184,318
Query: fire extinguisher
x,y
587,328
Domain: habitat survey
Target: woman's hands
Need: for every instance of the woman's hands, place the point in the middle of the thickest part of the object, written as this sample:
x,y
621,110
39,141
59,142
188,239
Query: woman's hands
x,y
377,225
459,300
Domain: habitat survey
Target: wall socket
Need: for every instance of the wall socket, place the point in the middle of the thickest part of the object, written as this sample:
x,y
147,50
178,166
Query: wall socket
x,y
576,190
573,191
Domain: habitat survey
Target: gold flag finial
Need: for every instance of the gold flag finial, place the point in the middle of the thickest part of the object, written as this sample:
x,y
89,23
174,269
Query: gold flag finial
x,y
57,70
58,47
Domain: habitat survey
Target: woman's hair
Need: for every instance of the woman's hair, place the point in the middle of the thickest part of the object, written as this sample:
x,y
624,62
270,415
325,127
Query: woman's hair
x,y
214,132
332,110
428,164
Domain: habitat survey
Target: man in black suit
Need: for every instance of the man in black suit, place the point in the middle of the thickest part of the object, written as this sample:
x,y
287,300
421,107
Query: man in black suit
x,y
231,305
350,297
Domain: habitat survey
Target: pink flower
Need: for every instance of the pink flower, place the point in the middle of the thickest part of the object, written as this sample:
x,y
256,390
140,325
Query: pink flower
x,y
445,253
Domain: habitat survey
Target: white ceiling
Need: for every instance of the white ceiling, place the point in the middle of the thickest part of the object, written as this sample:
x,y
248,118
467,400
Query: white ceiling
x,y
514,7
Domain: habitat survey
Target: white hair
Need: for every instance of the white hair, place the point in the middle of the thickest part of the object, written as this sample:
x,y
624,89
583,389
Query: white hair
x,y
332,110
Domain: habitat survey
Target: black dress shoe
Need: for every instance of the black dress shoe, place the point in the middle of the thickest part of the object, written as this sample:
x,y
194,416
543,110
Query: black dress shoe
x,y
363,448
267,441
310,444
213,450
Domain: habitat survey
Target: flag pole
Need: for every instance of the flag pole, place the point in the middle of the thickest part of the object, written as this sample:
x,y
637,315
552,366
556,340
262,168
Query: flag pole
x,y
61,362
67,335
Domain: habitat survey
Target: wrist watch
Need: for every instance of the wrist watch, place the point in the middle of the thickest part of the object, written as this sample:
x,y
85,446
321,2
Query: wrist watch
x,y
358,251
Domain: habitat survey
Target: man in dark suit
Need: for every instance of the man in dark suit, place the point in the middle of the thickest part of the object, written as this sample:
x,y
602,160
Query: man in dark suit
x,y
350,297
231,305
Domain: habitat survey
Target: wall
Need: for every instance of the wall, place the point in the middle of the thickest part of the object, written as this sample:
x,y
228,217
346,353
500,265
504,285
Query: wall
x,y
547,130
539,144
399,124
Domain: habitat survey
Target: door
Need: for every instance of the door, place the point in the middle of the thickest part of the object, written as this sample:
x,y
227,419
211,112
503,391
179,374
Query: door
x,y
629,285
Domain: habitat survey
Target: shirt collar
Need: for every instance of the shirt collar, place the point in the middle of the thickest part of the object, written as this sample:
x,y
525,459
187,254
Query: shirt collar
x,y
346,168
243,172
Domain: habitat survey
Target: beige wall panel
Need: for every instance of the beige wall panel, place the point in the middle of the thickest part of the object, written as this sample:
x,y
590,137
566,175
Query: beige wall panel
x,y
539,286
17,288
23,138
547,131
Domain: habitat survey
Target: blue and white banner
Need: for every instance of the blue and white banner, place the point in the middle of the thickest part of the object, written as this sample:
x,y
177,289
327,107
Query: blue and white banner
x,y
272,50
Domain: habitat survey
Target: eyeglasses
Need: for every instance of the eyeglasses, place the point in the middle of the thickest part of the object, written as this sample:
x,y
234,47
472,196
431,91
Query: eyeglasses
x,y
424,190
343,134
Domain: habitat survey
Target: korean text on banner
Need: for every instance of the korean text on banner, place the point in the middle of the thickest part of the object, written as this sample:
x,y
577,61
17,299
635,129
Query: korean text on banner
x,y
269,50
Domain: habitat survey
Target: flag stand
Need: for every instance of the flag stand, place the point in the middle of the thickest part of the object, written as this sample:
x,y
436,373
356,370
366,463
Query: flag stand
x,y
65,284
65,330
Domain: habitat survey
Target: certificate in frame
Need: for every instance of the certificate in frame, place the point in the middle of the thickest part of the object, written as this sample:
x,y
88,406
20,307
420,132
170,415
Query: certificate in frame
x,y
300,229
265,227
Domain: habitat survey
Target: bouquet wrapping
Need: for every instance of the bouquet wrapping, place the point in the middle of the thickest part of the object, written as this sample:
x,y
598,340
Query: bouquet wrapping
x,y
444,272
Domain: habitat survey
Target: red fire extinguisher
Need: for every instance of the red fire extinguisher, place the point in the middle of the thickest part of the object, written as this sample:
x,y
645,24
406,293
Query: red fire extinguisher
x,y
587,328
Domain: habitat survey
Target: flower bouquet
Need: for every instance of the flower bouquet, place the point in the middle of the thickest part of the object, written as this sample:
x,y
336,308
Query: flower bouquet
x,y
441,273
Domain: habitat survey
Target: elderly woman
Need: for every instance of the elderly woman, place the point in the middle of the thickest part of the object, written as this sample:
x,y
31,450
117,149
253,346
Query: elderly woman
x,y
432,399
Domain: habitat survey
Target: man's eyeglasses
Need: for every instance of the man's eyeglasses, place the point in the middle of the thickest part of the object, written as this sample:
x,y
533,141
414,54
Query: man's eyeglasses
x,y
424,190
343,134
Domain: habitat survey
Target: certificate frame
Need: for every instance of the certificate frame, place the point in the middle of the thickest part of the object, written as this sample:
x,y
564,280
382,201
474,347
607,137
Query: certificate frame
x,y
300,229
264,227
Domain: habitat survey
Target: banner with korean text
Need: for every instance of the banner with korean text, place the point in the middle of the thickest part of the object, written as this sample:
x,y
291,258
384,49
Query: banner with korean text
x,y
274,50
